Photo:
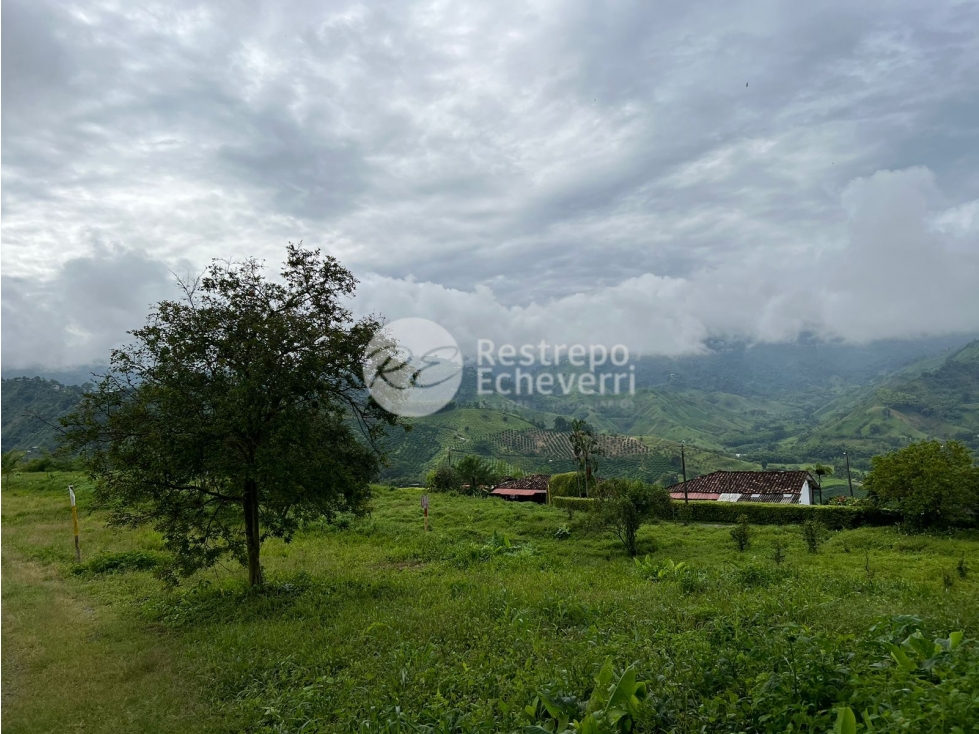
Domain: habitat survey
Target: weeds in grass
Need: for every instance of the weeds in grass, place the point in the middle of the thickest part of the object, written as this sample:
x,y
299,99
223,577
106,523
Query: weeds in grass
x,y
778,552
947,580
461,629
813,534
741,533
123,562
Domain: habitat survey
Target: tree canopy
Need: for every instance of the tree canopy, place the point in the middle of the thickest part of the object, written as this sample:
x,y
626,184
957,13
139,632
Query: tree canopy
x,y
931,483
238,412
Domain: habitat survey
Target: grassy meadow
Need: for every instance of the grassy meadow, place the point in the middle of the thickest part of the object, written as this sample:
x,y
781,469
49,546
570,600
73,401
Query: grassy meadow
x,y
376,625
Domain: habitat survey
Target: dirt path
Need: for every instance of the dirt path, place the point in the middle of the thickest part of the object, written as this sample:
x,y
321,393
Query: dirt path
x,y
75,663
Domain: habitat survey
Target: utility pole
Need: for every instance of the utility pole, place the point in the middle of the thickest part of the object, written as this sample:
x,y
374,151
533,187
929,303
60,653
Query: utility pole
x,y
683,464
848,479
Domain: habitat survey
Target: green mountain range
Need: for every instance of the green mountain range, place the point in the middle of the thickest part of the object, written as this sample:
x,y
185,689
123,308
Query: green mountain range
x,y
739,407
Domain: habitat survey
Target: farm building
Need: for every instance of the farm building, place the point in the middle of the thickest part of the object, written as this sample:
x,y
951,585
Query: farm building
x,y
532,488
779,487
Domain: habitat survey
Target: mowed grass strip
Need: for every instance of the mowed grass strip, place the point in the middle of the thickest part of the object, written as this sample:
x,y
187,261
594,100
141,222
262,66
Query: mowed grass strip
x,y
77,655
74,663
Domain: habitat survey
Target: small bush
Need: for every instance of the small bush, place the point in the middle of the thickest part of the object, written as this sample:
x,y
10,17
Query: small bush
x,y
778,552
443,479
574,504
813,533
741,533
624,505
51,462
682,512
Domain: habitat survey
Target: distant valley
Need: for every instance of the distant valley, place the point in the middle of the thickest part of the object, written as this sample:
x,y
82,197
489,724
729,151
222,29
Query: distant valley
x,y
737,407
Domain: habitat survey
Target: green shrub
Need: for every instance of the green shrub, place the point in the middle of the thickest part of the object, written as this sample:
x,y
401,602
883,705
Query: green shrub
x,y
444,479
120,563
934,484
51,462
741,533
574,504
778,551
834,518
813,533
625,504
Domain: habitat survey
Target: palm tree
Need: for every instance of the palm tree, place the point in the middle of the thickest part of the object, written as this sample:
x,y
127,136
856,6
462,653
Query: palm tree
x,y
585,448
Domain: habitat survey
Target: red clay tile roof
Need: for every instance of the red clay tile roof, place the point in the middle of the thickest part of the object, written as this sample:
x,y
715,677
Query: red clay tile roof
x,y
746,482
533,481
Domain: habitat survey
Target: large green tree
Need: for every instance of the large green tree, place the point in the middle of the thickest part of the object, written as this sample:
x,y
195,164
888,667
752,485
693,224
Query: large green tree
x,y
238,412
931,483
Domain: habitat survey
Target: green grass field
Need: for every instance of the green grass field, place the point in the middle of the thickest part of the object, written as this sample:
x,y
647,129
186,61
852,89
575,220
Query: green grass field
x,y
382,627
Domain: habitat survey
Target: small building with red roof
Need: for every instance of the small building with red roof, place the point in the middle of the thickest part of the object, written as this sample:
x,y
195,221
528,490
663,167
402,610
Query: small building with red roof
x,y
777,487
532,488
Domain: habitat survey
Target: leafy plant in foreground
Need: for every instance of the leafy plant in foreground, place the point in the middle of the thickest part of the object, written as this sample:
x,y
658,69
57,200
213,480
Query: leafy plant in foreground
x,y
612,708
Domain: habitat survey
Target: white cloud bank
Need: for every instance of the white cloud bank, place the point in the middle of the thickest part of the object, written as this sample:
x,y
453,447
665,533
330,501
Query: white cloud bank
x,y
893,274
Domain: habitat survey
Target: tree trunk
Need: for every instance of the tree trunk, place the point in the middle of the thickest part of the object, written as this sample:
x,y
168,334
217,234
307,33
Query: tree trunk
x,y
253,539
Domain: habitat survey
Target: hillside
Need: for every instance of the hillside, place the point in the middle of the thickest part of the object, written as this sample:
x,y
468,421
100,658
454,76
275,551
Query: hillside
x,y
821,400
31,407
942,403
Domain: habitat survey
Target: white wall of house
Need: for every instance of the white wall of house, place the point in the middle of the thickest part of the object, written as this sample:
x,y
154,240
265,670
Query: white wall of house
x,y
806,498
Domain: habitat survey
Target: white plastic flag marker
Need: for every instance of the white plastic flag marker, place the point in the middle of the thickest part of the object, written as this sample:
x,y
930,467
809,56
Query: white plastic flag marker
x,y
74,519
425,508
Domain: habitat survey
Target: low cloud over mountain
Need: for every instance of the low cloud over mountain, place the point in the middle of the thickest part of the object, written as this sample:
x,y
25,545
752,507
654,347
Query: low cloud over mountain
x,y
640,173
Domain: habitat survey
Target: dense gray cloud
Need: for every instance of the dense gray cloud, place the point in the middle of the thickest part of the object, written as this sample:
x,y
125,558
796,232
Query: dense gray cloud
x,y
80,315
570,171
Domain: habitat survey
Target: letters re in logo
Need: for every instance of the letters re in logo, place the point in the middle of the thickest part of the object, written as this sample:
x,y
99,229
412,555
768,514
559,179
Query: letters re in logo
x,y
413,367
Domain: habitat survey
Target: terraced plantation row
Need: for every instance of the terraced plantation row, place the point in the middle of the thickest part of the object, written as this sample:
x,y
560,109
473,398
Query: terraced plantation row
x,y
413,454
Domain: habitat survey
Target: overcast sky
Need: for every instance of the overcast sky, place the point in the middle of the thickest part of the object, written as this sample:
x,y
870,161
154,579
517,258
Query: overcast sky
x,y
643,172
